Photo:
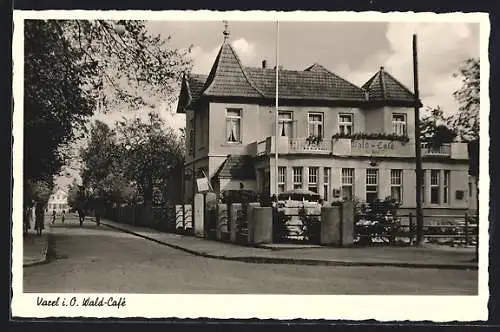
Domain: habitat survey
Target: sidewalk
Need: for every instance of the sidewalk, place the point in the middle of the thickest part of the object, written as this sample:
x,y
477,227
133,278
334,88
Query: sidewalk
x,y
35,248
423,257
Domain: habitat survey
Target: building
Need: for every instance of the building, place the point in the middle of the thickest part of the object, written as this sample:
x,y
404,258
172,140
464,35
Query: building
x,y
334,138
58,201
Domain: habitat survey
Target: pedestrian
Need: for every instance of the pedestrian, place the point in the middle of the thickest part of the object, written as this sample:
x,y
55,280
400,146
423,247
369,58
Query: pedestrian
x,y
39,218
62,217
53,216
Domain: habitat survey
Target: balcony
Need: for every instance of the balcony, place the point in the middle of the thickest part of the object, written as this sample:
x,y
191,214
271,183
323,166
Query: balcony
x,y
356,147
444,150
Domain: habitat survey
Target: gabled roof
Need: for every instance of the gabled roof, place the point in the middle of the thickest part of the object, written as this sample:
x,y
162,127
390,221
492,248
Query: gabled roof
x,y
191,89
237,168
385,89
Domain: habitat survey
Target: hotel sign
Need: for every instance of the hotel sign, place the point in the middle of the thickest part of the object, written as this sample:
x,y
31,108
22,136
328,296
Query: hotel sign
x,y
375,147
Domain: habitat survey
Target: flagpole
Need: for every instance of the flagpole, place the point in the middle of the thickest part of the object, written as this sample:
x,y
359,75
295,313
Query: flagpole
x,y
276,114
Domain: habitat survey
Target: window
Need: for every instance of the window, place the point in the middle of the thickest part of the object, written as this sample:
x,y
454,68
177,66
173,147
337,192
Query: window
x,y
435,186
313,179
396,184
345,124
399,124
371,184
347,182
316,124
446,185
326,183
281,179
470,189
233,125
297,178
285,124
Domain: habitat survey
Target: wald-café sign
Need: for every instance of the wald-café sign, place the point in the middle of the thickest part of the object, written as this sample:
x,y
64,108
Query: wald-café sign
x,y
375,147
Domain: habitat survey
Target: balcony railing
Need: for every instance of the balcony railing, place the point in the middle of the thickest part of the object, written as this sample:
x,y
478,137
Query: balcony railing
x,y
298,145
352,147
429,150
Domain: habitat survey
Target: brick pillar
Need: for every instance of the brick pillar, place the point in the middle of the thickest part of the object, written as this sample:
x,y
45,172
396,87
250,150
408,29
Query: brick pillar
x,y
331,217
260,225
347,224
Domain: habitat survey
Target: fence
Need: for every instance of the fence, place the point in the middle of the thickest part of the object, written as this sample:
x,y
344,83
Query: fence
x,y
437,228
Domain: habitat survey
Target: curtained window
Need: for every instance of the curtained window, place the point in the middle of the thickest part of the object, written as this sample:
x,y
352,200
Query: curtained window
x,y
233,125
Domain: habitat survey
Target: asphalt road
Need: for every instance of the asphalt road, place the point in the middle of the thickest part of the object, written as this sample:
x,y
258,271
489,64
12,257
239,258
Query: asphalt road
x,y
95,260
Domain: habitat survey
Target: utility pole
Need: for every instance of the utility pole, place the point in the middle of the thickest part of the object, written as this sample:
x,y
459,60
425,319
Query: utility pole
x,y
418,149
276,124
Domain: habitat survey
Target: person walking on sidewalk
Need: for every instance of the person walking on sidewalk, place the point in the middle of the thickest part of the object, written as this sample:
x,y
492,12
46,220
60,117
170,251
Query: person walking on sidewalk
x,y
63,215
53,216
39,218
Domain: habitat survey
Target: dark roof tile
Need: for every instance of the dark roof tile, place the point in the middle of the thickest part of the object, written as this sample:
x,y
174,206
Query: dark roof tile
x,y
383,87
237,167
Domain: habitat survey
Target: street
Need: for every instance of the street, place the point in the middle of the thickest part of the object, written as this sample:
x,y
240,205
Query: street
x,y
93,259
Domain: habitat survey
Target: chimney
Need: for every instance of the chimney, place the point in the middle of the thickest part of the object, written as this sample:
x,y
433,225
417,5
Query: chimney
x,y
264,64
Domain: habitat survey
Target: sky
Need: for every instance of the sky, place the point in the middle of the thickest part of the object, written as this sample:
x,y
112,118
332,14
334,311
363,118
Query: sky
x,y
353,50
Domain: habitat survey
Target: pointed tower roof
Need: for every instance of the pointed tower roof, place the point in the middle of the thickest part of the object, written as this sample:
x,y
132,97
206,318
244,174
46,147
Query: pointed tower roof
x,y
384,88
227,77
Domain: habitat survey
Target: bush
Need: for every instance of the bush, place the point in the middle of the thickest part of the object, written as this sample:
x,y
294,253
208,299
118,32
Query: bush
x,y
377,220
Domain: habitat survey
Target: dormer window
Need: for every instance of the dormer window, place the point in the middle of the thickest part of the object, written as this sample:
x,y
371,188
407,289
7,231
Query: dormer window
x,y
233,125
345,124
399,124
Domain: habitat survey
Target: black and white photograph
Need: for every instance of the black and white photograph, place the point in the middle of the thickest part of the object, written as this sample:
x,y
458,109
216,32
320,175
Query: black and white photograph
x,y
250,164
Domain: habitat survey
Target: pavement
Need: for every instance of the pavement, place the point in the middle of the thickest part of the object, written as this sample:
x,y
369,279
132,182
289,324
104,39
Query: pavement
x,y
427,256
35,248
91,259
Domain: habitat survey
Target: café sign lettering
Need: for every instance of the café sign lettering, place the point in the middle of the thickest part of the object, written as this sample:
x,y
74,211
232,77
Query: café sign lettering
x,y
372,146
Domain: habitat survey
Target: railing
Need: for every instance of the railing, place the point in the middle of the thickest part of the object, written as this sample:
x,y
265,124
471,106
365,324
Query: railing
x,y
298,145
429,150
463,231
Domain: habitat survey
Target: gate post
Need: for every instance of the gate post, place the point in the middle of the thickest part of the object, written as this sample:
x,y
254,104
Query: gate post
x,y
347,224
260,225
331,225
198,215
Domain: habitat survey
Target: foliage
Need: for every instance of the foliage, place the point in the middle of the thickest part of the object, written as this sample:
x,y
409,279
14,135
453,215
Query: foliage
x,y
377,219
466,121
435,128
368,136
73,67
151,151
135,68
38,191
54,103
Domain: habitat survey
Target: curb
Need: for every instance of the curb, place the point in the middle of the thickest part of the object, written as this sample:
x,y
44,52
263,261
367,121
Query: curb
x,y
298,261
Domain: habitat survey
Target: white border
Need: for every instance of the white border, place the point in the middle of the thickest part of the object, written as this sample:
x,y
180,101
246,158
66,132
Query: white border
x,y
382,308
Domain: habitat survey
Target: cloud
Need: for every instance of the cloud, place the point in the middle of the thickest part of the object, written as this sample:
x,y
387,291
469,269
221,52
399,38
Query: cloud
x,y
441,48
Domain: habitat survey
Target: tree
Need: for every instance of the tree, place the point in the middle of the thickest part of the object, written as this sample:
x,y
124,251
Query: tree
x,y
466,121
73,66
435,128
151,151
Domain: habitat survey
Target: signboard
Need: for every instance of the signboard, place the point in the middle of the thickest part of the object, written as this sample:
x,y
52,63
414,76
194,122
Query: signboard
x,y
380,148
202,184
